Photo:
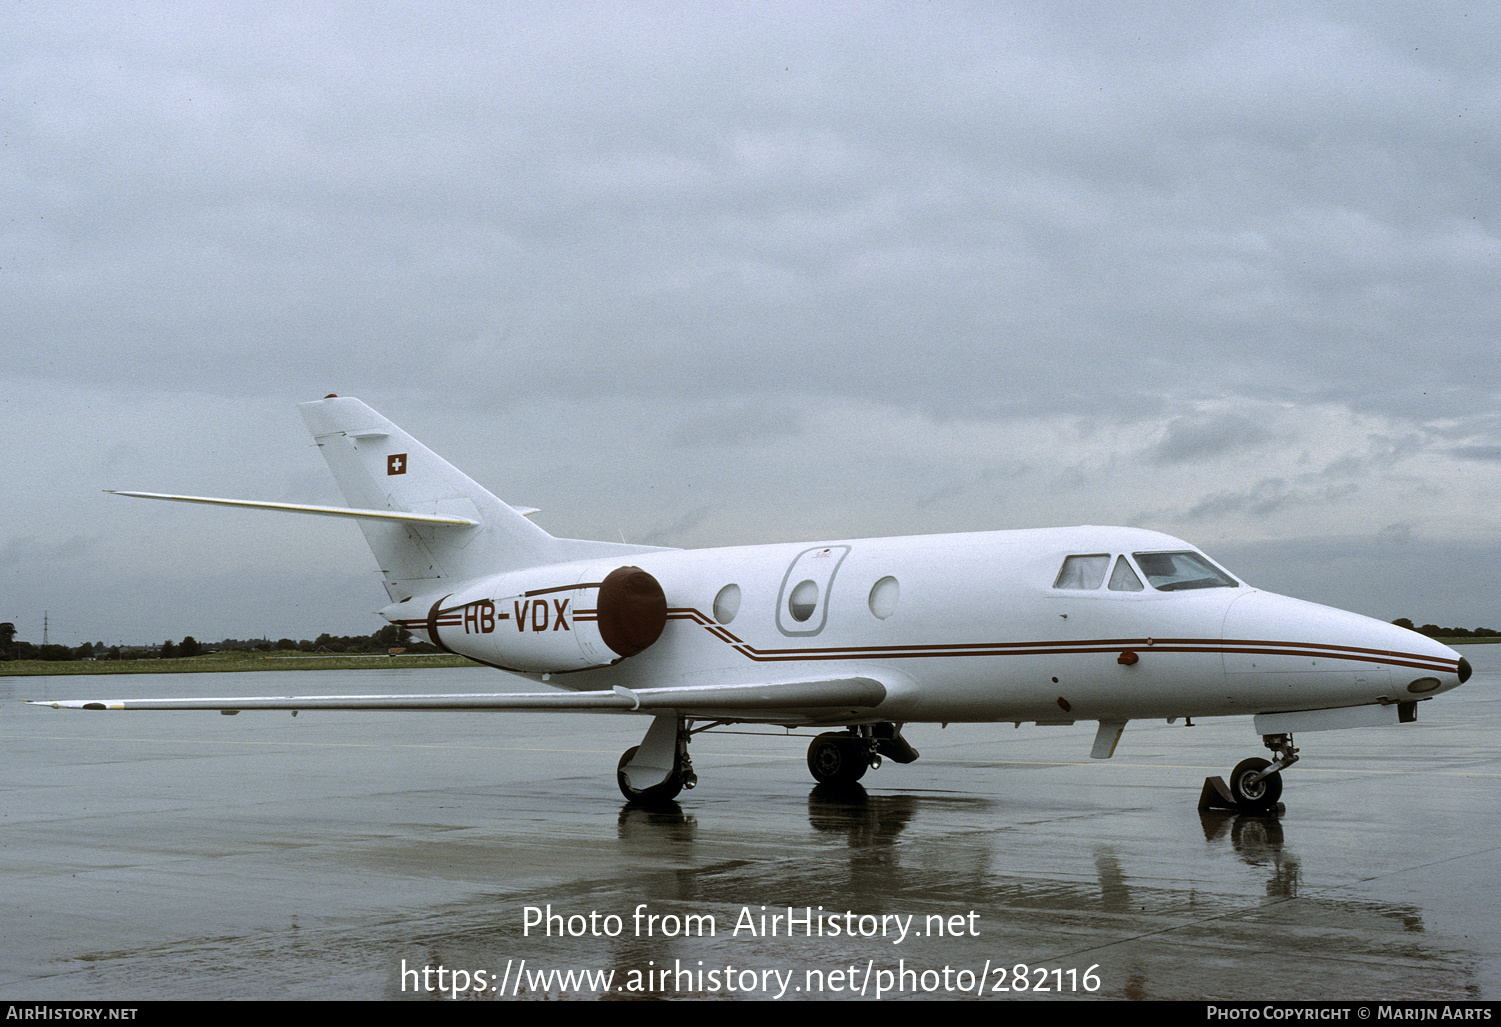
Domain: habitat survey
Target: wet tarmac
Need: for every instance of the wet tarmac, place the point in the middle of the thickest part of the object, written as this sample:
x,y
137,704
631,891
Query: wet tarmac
x,y
190,855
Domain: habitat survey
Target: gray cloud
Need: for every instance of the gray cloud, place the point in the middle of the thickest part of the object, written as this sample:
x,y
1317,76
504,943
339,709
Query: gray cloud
x,y
1268,498
1189,439
1484,453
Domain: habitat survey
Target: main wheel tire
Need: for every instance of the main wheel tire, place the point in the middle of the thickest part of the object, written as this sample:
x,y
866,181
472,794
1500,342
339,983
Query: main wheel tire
x,y
1260,795
664,792
836,759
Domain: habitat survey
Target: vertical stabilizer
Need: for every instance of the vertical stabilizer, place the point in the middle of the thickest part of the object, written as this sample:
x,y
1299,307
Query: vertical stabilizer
x,y
380,467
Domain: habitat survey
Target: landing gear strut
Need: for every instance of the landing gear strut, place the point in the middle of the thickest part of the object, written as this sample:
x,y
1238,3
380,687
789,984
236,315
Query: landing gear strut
x,y
657,769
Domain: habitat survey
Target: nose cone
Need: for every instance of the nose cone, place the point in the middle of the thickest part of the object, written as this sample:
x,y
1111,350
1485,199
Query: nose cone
x,y
1268,629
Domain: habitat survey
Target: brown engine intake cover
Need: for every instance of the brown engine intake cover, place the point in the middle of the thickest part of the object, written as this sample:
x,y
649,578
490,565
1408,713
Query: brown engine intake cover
x,y
632,610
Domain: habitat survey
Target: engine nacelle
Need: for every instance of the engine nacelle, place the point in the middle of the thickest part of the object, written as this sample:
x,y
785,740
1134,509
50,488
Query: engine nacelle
x,y
525,623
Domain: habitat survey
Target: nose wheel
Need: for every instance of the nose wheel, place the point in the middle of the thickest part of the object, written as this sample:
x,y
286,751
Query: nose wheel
x,y
1253,788
1255,784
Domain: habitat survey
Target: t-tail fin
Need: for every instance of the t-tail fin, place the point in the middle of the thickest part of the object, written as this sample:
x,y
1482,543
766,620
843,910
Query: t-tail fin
x,y
380,467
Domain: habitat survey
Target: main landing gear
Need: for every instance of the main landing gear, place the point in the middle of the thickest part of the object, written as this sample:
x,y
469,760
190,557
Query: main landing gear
x,y
657,769
843,757
1255,784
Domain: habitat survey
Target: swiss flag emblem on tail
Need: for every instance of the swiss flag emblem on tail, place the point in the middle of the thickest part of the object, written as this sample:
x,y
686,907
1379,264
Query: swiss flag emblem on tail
x,y
396,463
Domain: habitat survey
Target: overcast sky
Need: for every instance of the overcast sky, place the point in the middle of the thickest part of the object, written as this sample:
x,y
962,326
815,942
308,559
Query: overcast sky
x,y
699,274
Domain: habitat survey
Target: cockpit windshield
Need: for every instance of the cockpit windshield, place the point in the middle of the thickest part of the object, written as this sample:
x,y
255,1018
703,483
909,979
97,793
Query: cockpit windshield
x,y
1083,572
1175,572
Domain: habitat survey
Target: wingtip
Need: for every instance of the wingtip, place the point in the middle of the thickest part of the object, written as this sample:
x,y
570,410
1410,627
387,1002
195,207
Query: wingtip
x,y
77,704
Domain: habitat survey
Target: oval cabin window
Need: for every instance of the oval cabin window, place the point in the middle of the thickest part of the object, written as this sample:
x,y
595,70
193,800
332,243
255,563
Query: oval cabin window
x,y
883,597
727,604
803,601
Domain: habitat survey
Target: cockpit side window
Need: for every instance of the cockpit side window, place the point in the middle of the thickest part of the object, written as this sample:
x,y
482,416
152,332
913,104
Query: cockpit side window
x,y
1123,578
1176,572
1083,571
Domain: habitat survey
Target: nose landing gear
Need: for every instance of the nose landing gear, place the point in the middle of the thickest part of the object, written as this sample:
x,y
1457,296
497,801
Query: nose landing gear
x,y
1253,787
1255,784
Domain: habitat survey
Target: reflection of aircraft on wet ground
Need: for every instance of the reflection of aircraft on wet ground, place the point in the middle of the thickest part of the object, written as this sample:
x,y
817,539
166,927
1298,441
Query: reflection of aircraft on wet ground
x,y
1049,626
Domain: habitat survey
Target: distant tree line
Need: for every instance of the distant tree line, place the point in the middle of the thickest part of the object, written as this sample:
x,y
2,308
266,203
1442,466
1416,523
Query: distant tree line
x,y
1434,631
387,638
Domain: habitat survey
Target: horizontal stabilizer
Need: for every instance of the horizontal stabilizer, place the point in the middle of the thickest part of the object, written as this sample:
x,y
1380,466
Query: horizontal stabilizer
x,y
321,511
794,698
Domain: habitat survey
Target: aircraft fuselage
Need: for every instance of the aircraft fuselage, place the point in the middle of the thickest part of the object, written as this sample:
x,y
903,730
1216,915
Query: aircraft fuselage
x,y
964,627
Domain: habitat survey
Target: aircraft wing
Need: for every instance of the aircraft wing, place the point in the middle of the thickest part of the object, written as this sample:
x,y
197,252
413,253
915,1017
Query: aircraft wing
x,y
788,701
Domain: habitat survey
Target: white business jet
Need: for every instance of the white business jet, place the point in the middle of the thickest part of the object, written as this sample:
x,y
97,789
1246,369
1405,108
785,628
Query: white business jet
x,y
859,636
